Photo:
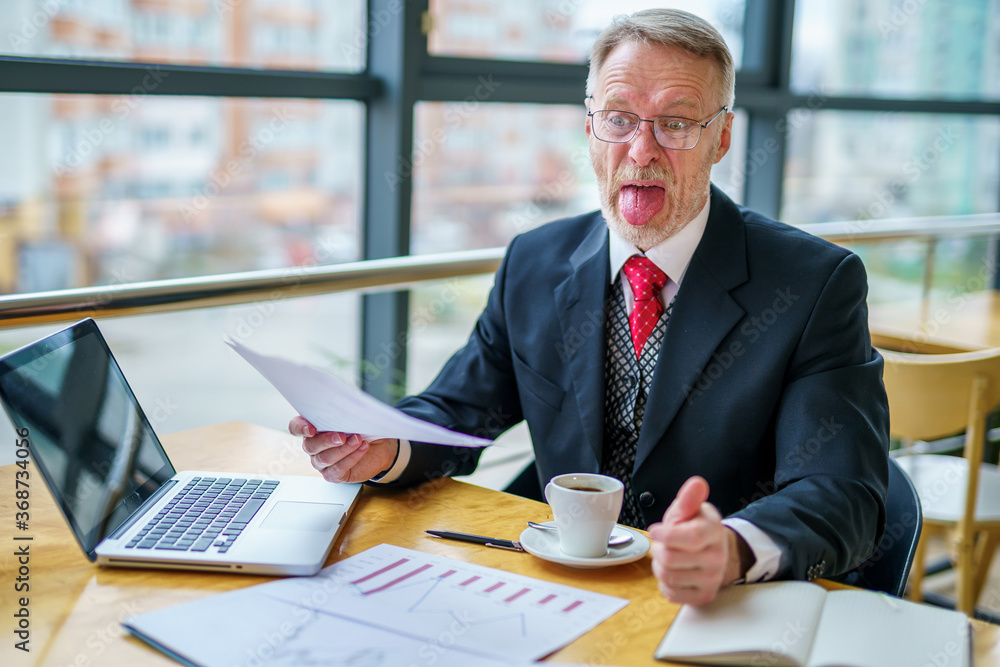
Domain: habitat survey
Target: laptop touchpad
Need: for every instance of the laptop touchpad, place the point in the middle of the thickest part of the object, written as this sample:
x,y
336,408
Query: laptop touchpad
x,y
288,515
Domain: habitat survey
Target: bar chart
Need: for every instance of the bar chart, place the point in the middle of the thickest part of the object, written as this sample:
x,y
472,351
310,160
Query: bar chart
x,y
384,606
467,606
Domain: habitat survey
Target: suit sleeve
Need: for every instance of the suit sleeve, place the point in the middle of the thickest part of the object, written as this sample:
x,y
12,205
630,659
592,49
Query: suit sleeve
x,y
474,393
831,439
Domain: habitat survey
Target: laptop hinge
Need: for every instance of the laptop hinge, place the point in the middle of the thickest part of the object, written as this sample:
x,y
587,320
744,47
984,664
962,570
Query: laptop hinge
x,y
152,500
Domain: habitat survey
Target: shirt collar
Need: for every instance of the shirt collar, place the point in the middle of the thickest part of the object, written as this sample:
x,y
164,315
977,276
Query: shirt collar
x,y
672,256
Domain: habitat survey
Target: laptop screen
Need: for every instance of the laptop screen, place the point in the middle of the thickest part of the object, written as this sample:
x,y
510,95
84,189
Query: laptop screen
x,y
87,434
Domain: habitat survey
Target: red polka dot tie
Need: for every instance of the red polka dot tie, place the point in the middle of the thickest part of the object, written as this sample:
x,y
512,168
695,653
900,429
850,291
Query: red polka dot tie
x,y
646,280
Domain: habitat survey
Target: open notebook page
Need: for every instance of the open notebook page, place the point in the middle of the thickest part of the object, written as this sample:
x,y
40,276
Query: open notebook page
x,y
775,620
865,629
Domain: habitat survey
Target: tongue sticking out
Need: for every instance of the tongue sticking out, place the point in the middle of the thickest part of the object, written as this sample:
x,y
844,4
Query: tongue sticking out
x,y
640,203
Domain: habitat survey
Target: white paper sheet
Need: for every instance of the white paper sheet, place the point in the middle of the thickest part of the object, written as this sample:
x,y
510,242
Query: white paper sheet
x,y
385,606
332,405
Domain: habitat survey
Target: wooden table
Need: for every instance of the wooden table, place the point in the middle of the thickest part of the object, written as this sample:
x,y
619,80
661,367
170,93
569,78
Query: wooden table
x,y
953,323
75,606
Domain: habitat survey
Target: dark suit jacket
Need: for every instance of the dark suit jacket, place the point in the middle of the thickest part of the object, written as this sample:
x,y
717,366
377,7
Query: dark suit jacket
x,y
766,384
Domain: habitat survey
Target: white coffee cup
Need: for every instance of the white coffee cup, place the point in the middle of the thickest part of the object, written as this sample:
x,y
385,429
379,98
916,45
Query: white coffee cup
x,y
586,508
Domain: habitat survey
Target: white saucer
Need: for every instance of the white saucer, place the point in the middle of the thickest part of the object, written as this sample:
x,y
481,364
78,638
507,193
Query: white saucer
x,y
545,545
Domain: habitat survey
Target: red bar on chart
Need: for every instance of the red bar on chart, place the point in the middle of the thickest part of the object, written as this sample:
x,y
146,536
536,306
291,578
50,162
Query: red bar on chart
x,y
469,581
385,587
494,587
518,594
548,598
447,574
573,606
378,572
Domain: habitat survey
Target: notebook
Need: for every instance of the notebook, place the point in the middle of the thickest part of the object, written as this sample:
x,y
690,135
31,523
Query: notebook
x,y
799,624
119,492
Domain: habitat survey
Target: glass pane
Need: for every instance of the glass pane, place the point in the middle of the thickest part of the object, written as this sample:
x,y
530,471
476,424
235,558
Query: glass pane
x,y
925,48
866,166
184,376
482,175
555,30
862,165
442,315
730,173
291,34
537,169
101,190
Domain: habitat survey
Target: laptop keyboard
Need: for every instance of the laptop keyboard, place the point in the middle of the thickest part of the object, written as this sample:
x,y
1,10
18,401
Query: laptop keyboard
x,y
207,512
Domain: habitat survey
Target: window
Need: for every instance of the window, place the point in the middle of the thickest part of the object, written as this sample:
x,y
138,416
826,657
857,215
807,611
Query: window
x,y
931,48
554,30
197,32
855,165
112,188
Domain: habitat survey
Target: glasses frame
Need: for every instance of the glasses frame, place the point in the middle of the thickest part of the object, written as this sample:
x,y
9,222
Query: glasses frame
x,y
701,126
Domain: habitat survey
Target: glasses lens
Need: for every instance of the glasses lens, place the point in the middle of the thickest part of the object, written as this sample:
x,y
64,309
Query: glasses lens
x,y
677,133
614,125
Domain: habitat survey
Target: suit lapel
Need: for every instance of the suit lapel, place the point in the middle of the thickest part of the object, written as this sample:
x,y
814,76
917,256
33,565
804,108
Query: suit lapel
x,y
702,315
580,302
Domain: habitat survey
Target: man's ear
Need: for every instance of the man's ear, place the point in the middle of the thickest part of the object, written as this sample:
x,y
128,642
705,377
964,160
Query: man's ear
x,y
725,138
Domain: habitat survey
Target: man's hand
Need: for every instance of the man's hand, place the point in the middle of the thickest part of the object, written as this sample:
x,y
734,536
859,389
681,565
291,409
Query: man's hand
x,y
694,554
344,457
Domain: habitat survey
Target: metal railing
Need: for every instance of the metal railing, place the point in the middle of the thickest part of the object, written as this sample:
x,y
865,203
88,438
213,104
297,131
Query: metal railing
x,y
381,274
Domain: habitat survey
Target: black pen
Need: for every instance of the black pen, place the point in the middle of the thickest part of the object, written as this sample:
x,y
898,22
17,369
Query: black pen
x,y
494,542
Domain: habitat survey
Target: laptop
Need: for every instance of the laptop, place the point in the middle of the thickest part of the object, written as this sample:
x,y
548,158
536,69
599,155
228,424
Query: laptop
x,y
121,496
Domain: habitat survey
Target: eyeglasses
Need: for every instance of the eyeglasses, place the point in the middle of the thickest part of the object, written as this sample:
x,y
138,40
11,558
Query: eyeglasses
x,y
673,132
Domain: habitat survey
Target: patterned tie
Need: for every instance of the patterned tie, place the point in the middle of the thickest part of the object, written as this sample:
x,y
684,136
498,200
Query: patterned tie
x,y
646,280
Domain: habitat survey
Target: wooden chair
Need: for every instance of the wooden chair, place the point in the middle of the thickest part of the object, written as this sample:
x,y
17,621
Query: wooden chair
x,y
936,395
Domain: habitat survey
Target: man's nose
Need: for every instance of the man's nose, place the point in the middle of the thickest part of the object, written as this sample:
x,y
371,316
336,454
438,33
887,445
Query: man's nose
x,y
643,149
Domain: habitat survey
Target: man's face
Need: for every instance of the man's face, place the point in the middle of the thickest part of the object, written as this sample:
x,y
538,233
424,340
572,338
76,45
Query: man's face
x,y
648,193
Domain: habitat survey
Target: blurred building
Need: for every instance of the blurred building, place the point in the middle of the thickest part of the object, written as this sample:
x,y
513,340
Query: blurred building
x,y
862,165
111,189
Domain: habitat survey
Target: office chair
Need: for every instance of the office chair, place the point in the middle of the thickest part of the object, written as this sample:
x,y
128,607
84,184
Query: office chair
x,y
888,568
936,395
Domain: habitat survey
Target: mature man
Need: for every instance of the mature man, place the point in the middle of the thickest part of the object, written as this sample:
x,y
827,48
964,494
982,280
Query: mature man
x,y
731,372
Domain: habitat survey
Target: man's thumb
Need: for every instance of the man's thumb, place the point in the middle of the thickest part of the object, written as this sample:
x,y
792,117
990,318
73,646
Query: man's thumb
x,y
688,502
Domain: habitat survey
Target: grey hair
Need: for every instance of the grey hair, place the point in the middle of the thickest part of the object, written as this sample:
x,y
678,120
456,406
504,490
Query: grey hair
x,y
669,27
